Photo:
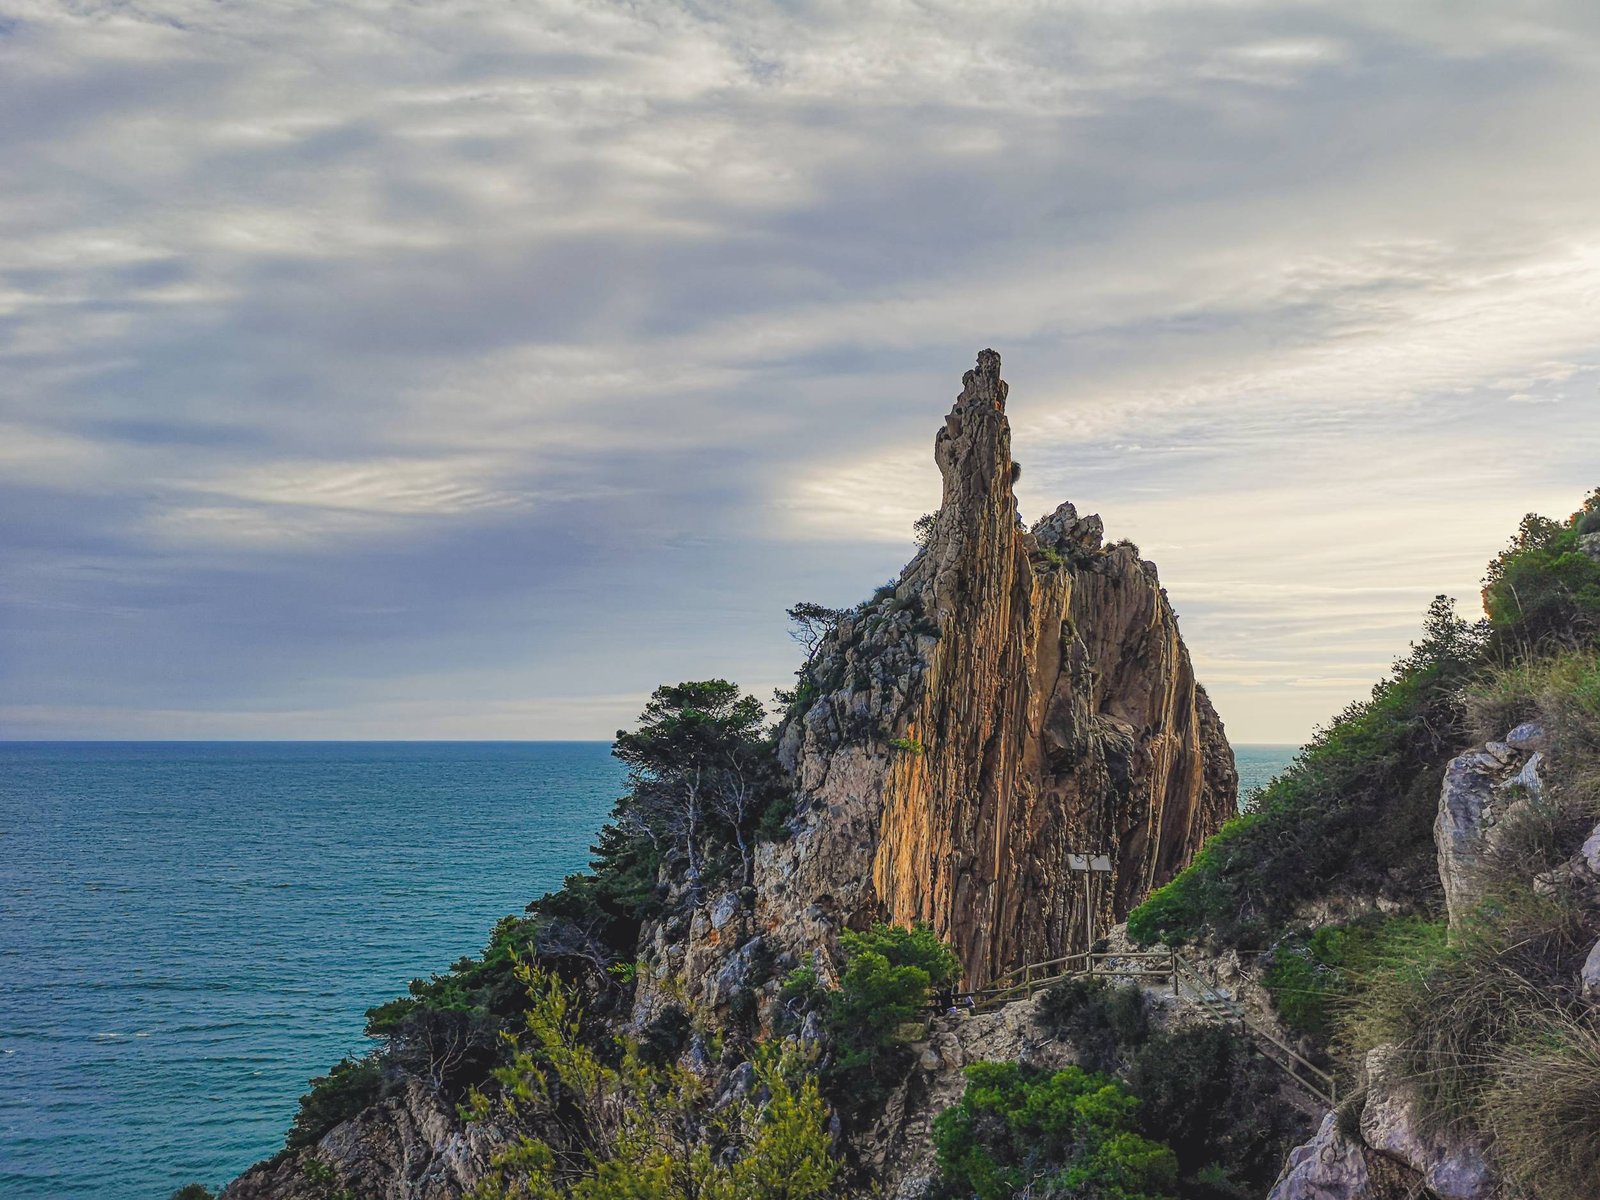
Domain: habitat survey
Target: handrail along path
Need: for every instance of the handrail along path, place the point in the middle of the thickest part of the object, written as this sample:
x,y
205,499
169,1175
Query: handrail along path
x,y
1187,983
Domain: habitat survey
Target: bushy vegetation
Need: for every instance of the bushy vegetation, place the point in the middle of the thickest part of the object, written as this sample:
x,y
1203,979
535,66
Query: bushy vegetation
x,y
610,1127
1314,974
1353,812
1097,1018
352,1085
1542,591
1021,1131
890,978
1208,1093
1204,1091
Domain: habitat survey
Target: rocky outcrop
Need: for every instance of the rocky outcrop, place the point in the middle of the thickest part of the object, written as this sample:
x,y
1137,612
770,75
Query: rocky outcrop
x,y
1377,1148
1016,697
1452,1166
412,1146
1331,1166
1481,788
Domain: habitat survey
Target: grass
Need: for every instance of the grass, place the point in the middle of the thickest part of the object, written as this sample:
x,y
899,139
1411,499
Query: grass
x,y
1545,1110
1313,977
1494,1034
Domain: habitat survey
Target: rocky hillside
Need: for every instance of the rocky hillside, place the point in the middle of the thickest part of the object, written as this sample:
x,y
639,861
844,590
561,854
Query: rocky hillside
x,y
1419,895
1014,696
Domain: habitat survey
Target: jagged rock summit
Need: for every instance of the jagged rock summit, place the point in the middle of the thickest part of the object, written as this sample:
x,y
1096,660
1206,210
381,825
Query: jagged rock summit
x,y
1018,696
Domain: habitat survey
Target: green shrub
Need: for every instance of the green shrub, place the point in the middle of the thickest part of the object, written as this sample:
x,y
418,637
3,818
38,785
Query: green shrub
x,y
1019,1130
1210,1095
1097,1018
1354,812
1311,975
1203,1091
909,745
352,1085
889,977
1542,590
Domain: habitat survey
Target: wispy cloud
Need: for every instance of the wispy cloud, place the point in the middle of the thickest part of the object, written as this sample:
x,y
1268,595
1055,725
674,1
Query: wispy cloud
x,y
553,347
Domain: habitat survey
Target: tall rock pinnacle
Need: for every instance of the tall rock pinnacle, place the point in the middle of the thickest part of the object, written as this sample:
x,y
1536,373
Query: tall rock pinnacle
x,y
1019,697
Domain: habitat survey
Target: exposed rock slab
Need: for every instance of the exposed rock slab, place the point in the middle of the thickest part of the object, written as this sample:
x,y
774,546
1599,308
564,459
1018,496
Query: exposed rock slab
x,y
1454,1168
1331,1166
413,1146
1480,787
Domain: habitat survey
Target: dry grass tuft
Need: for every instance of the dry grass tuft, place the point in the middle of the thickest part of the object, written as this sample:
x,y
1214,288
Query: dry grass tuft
x,y
1544,1110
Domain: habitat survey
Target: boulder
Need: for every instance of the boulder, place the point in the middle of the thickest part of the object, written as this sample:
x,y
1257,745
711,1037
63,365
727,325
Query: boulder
x,y
1528,778
1466,805
1331,1166
1590,975
1590,852
1453,1167
1527,737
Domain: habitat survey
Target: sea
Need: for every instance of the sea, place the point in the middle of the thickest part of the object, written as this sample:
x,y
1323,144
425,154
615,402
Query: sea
x,y
190,931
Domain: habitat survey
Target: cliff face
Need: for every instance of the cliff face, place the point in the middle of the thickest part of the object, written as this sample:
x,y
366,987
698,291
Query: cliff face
x,y
1015,697
1018,697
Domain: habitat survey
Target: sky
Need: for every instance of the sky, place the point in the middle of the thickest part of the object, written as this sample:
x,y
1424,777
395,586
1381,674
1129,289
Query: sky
x,y
466,370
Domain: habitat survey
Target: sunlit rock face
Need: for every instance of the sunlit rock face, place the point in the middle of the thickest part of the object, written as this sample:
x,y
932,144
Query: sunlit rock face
x,y
1018,697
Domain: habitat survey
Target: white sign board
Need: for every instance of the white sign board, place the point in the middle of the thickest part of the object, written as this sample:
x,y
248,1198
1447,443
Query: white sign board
x,y
1078,862
1100,863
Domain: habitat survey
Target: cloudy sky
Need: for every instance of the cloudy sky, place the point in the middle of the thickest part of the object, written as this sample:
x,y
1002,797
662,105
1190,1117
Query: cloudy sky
x,y
461,369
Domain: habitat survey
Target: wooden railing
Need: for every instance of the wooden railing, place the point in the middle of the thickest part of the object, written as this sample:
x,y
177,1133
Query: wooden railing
x,y
1023,982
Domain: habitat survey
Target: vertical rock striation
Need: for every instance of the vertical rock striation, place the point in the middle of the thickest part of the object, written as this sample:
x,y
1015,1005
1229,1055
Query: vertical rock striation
x,y
1018,696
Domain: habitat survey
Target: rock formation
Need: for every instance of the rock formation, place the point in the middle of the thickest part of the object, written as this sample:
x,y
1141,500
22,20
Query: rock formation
x,y
1018,696
1014,697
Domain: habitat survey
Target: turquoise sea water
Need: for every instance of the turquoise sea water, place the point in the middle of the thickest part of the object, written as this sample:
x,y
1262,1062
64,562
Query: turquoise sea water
x,y
1258,764
188,932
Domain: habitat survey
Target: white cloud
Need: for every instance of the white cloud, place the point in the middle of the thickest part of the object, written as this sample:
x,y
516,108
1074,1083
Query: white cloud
x,y
1301,296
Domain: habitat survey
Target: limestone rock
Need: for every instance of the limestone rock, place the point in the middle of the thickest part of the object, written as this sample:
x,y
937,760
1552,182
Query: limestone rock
x,y
1330,1166
413,1142
1528,778
1454,1168
1056,710
1590,853
1383,1153
1466,802
1528,736
1480,788
1590,976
